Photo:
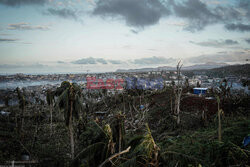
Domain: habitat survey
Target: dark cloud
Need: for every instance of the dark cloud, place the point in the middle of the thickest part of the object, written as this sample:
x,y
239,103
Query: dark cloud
x,y
196,12
26,26
8,40
63,13
143,61
245,4
89,60
230,42
101,60
139,13
227,13
9,66
199,14
216,43
22,2
238,27
60,62
134,31
35,65
222,52
115,61
220,58
153,60
247,40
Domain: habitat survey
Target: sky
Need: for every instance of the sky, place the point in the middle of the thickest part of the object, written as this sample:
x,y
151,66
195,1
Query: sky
x,y
58,36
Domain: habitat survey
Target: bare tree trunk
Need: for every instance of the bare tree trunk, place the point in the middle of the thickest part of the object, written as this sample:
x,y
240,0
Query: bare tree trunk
x,y
178,104
120,136
140,100
171,103
178,93
124,108
175,105
219,119
16,121
22,114
50,108
36,131
22,119
178,113
219,128
71,131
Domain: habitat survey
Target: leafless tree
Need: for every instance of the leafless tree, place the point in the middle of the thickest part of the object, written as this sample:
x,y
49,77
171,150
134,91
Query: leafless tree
x,y
178,92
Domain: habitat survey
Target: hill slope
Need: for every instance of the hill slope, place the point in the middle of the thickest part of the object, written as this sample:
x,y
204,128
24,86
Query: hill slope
x,y
236,70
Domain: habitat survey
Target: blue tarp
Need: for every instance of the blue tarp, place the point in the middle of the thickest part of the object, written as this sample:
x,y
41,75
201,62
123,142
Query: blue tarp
x,y
200,91
246,141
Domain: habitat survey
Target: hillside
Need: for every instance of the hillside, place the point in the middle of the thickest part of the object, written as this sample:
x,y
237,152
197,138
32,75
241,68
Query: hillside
x,y
208,65
236,70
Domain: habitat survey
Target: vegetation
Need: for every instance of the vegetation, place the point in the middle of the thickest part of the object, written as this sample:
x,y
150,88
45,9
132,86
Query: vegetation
x,y
50,101
70,101
130,128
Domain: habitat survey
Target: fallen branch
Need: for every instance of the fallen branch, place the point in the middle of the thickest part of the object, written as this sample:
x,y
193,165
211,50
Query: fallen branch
x,y
25,148
115,155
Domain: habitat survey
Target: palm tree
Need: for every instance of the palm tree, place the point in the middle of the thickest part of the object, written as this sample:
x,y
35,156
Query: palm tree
x,y
172,94
50,100
70,101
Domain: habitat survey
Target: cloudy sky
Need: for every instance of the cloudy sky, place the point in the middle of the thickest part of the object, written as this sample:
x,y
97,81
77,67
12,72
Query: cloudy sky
x,y
47,36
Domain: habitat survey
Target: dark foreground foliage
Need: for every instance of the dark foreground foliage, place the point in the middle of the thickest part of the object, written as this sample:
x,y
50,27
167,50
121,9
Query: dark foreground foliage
x,y
133,128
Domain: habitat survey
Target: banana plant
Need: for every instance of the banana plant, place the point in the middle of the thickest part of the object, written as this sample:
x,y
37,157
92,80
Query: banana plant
x,y
50,97
70,101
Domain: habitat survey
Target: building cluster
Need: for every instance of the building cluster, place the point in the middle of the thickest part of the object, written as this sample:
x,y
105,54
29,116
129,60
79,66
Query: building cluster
x,y
40,83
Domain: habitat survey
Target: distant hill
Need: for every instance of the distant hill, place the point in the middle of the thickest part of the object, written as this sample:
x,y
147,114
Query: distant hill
x,y
209,65
236,70
137,70
209,69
